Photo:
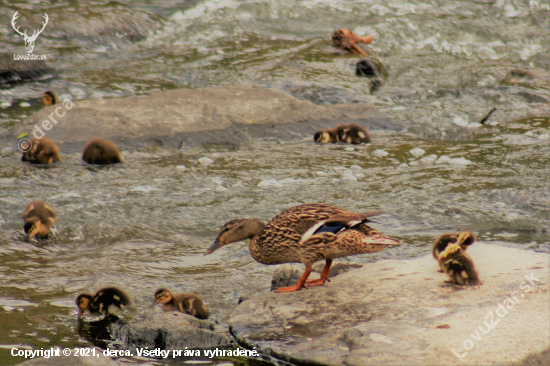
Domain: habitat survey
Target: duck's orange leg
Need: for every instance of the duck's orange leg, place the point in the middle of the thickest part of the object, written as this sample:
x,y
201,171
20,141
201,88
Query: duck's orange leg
x,y
324,275
301,283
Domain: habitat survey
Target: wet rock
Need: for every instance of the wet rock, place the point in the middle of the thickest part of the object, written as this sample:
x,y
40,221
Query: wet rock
x,y
285,275
397,312
21,70
73,360
191,117
168,331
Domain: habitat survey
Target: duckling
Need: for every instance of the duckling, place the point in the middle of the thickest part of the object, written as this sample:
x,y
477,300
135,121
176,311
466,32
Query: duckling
x,y
183,302
101,151
347,133
324,136
107,301
40,151
467,238
458,265
352,133
49,98
39,219
347,40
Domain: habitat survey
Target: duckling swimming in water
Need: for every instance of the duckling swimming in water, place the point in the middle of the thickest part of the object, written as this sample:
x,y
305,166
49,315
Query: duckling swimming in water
x,y
39,219
107,301
458,266
183,302
101,151
347,133
49,98
467,238
40,151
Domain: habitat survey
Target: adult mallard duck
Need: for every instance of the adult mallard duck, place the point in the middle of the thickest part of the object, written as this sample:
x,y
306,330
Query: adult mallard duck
x,y
306,234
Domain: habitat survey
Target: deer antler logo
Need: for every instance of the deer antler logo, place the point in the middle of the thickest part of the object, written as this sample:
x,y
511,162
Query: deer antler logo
x,y
29,41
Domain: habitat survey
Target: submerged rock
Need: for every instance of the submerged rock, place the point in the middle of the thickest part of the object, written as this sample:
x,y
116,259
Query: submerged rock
x,y
21,70
168,331
396,312
191,117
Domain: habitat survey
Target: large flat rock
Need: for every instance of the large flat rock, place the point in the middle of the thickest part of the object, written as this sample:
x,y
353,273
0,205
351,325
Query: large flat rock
x,y
181,117
397,312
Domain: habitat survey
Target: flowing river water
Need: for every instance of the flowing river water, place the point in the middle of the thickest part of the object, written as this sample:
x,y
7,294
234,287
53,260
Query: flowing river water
x,y
145,223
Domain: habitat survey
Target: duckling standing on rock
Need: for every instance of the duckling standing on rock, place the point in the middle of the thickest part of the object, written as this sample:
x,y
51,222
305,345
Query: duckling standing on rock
x,y
458,266
101,151
39,219
306,233
49,98
352,134
43,151
467,239
107,301
348,133
183,302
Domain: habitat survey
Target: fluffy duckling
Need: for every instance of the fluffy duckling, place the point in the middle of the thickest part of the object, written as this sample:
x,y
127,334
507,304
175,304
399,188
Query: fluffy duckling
x,y
467,238
101,151
352,133
458,266
107,301
49,98
325,136
39,219
183,302
347,133
40,151
347,40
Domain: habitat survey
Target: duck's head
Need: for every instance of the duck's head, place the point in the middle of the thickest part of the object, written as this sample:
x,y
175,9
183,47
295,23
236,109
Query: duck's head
x,y
163,296
83,301
466,239
324,136
32,226
236,230
49,97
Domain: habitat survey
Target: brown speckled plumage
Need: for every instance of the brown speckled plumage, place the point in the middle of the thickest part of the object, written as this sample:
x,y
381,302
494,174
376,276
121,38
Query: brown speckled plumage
x,y
287,238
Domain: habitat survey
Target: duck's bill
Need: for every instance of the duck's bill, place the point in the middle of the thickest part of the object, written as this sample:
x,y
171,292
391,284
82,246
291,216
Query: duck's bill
x,y
385,242
214,246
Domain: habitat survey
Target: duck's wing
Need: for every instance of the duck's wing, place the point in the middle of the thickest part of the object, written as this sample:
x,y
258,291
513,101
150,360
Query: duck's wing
x,y
337,224
303,217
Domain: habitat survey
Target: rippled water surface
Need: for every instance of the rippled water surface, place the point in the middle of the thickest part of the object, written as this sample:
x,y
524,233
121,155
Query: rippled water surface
x,y
145,223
